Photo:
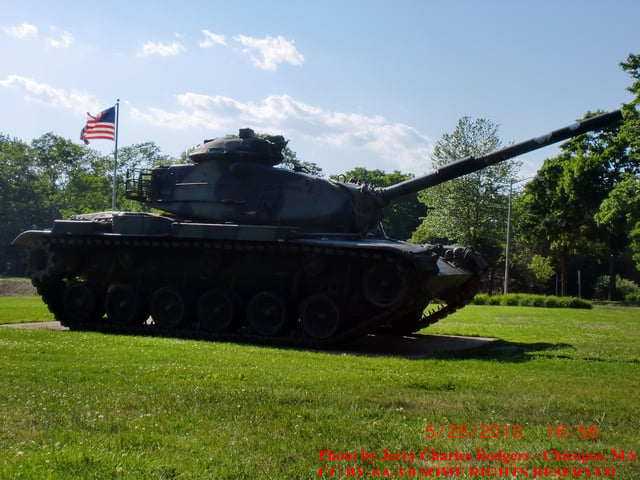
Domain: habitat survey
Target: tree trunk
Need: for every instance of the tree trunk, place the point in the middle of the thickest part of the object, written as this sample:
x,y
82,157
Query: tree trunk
x,y
612,278
564,268
490,282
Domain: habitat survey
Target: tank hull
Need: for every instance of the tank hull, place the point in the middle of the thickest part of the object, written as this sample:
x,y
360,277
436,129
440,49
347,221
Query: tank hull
x,y
147,274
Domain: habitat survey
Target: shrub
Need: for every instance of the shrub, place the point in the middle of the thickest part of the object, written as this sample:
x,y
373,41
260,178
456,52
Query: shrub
x,y
632,297
494,300
532,301
510,300
624,287
481,299
573,302
529,300
552,302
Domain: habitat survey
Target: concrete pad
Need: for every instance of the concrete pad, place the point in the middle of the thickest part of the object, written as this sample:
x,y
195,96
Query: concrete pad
x,y
37,325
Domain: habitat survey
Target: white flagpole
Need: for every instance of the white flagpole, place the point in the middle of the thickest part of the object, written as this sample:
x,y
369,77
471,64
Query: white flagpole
x,y
115,160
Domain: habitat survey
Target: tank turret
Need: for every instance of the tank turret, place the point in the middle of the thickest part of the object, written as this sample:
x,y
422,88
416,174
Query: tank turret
x,y
251,252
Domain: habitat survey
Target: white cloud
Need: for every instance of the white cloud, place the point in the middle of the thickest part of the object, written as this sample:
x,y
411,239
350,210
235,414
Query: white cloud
x,y
400,145
23,30
65,40
34,91
270,51
26,30
212,39
162,49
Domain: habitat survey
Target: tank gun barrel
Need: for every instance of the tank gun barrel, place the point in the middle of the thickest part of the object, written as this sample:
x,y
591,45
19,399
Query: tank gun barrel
x,y
470,164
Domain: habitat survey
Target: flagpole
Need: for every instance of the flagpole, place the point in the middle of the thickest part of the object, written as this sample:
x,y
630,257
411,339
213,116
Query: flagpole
x,y
115,160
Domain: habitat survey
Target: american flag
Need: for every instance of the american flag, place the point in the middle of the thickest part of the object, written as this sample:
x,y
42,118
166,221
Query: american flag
x,y
101,126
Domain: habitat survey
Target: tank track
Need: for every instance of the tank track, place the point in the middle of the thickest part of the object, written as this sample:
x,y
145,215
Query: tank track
x,y
101,261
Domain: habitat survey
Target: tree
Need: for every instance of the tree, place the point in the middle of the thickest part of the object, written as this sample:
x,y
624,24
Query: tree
x,y
472,209
630,135
619,216
54,178
20,208
630,131
52,160
569,204
141,155
561,201
88,188
540,270
403,215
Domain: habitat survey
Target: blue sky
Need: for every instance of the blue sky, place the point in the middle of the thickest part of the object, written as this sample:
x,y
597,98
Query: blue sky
x,y
351,83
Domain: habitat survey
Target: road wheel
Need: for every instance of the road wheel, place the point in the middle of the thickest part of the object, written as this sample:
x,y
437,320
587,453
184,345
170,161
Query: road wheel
x,y
168,308
267,313
320,316
124,305
81,303
217,311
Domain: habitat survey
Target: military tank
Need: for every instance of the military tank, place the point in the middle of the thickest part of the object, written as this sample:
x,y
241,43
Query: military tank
x,y
249,252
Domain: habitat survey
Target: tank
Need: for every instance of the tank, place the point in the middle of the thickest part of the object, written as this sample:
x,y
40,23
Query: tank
x,y
246,251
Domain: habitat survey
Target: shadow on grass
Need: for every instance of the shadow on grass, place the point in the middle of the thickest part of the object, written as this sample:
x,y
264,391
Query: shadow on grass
x,y
419,346
503,351
415,346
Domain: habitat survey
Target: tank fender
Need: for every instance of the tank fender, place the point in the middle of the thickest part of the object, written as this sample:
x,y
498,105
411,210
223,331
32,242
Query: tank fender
x,y
30,236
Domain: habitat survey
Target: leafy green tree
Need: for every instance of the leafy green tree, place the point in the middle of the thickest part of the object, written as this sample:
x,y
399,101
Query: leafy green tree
x,y
630,130
570,190
562,200
630,136
89,187
470,210
141,155
54,178
33,186
619,216
541,270
20,207
53,159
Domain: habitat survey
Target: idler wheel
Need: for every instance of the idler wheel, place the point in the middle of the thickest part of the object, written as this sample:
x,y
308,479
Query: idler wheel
x,y
124,305
320,316
267,313
217,311
168,308
81,303
383,285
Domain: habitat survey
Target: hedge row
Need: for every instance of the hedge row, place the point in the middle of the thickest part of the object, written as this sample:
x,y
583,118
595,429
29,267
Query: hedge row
x,y
529,300
632,297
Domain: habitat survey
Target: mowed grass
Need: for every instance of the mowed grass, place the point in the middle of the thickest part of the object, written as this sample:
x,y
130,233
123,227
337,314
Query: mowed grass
x,y
23,309
86,405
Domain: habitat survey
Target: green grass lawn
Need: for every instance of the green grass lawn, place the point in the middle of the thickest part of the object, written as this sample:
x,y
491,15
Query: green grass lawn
x,y
92,406
23,309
